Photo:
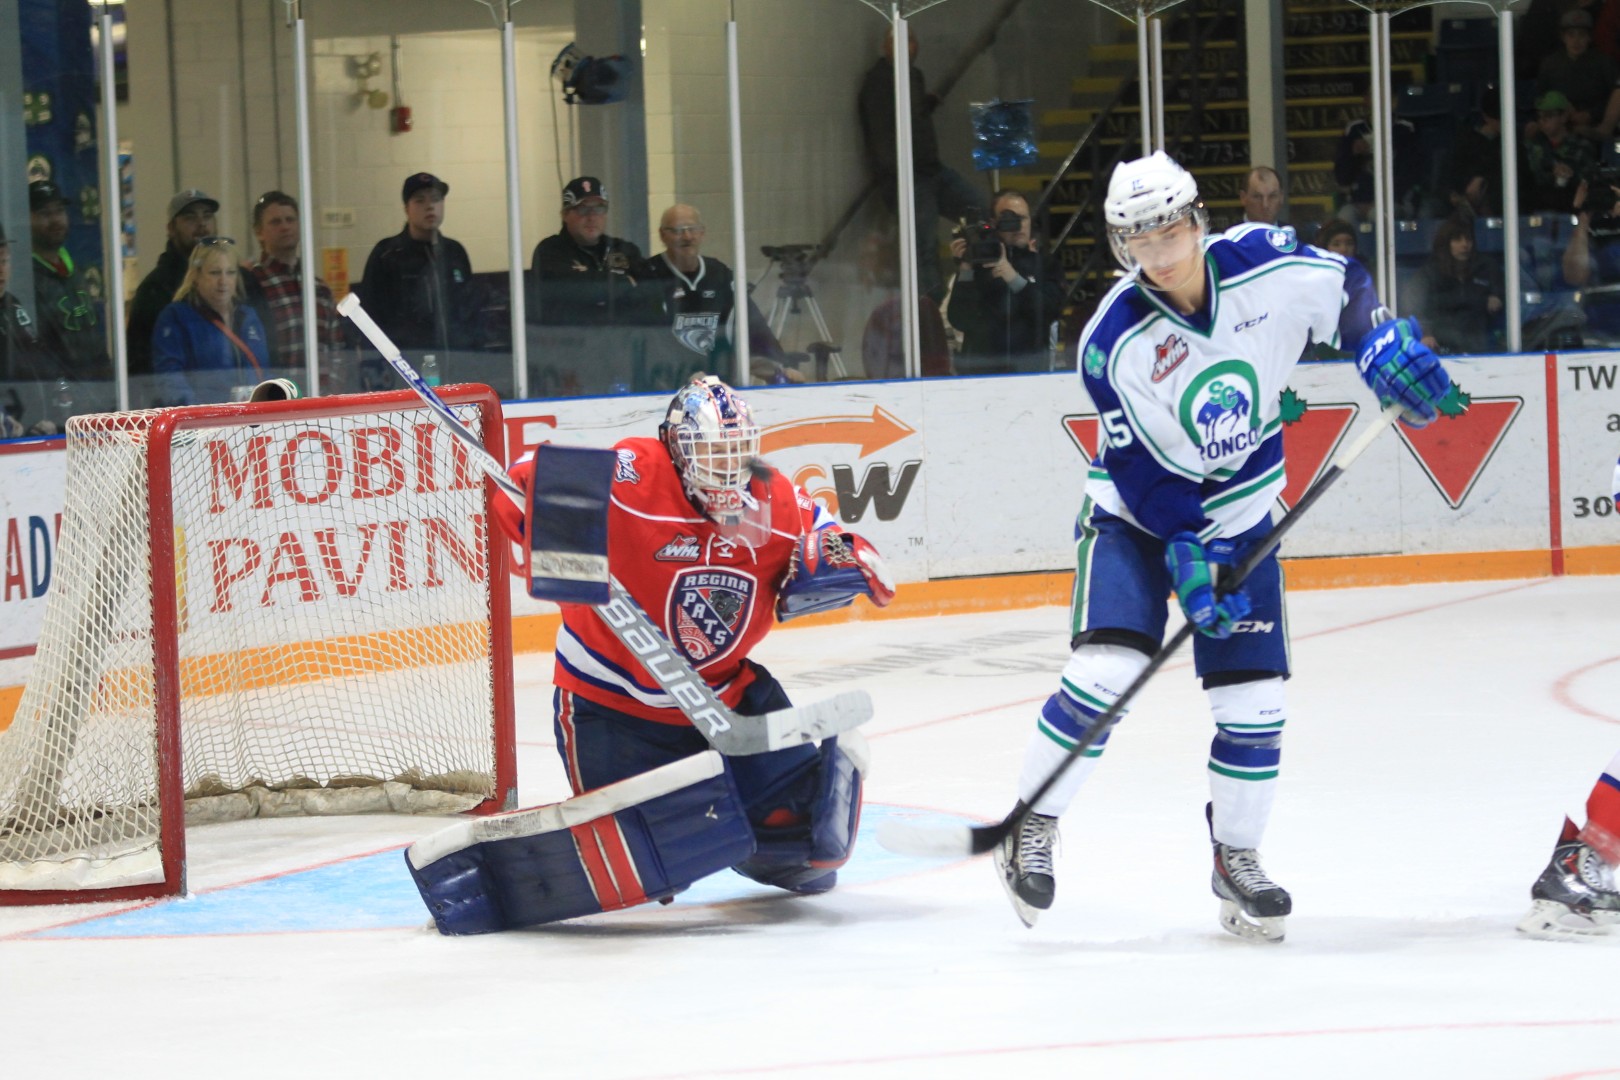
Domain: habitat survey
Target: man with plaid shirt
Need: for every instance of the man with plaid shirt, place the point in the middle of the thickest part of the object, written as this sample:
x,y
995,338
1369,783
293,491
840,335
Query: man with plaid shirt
x,y
275,223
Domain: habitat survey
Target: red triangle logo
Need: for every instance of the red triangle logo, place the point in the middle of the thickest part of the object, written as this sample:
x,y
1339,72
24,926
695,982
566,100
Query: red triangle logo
x,y
1454,450
1083,430
1309,443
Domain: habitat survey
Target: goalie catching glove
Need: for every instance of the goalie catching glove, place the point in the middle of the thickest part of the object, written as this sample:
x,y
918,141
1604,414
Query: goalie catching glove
x,y
1402,370
1193,569
830,568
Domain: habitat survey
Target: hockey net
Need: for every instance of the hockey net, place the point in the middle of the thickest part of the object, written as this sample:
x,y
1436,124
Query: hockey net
x,y
258,609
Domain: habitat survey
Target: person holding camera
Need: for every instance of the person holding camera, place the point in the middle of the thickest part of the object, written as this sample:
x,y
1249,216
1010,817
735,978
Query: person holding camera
x,y
1592,257
1005,296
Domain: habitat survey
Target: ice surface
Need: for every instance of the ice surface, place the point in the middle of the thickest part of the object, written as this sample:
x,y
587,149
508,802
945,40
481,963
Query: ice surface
x,y
1437,735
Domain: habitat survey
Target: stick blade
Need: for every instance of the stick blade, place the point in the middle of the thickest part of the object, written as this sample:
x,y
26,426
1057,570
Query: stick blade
x,y
939,842
796,726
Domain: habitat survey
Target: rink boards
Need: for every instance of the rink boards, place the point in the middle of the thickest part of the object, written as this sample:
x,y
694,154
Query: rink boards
x,y
973,477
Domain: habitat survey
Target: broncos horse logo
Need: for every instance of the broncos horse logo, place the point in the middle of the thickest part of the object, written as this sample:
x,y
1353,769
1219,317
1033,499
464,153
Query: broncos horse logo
x,y
1227,407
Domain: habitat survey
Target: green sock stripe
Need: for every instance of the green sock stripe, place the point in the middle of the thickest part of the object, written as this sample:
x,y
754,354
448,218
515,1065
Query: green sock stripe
x,y
1236,774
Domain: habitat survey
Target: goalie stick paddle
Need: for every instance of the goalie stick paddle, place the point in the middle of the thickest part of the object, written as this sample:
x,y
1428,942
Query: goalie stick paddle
x,y
725,730
904,838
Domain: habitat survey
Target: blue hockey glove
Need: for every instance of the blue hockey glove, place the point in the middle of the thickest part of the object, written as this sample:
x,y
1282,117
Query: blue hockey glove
x,y
1397,365
1193,568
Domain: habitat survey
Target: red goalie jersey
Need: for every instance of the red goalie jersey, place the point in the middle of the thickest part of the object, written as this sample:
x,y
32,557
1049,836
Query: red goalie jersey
x,y
711,589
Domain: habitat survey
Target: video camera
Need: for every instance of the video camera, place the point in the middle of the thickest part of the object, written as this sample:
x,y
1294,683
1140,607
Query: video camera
x,y
1603,201
794,261
984,245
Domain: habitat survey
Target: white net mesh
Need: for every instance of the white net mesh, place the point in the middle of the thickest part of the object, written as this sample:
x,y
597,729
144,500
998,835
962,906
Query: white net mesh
x,y
332,624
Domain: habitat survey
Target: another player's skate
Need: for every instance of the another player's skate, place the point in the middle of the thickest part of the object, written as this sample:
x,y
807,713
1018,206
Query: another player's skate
x,y
1252,905
1575,897
1024,864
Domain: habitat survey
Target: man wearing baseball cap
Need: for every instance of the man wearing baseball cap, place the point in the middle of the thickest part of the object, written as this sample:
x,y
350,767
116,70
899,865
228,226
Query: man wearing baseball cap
x,y
1556,160
418,284
191,218
582,276
28,366
1584,75
69,314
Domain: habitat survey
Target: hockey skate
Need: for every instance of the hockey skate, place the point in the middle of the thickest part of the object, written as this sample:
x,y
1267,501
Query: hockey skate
x,y
1575,897
1024,864
1252,905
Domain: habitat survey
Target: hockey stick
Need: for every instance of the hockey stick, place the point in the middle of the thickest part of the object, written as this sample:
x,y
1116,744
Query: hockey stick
x,y
726,731
906,839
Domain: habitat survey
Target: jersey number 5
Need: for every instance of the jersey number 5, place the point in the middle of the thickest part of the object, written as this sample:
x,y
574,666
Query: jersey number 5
x,y
1119,432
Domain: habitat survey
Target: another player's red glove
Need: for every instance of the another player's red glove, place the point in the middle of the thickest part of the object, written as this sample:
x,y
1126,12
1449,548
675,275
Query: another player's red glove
x,y
830,569
509,516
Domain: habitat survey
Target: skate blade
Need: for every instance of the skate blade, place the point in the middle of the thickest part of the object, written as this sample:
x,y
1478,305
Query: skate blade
x,y
1548,920
1234,921
1026,914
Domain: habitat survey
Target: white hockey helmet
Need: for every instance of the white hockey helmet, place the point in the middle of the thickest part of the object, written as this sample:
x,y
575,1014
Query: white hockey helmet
x,y
711,436
1145,195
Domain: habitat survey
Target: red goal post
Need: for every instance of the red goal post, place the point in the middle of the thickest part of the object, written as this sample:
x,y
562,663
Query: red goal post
x,y
289,607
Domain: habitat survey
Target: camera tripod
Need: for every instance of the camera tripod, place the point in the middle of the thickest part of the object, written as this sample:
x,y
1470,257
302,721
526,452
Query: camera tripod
x,y
794,298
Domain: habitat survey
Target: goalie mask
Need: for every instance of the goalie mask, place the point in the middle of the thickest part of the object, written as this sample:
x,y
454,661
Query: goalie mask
x,y
711,436
1145,196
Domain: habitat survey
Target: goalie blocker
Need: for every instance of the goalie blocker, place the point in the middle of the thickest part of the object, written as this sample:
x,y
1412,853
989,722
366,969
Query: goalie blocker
x,y
644,838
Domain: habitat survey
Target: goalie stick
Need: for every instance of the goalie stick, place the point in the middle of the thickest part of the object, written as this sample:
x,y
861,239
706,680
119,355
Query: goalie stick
x,y
726,731
907,839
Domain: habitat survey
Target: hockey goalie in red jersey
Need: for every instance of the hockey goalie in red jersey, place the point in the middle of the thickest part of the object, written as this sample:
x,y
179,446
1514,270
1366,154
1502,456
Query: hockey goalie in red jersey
x,y
714,547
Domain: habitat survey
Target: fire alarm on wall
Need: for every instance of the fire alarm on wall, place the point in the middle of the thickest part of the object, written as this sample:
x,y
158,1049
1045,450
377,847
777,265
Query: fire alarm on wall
x,y
400,119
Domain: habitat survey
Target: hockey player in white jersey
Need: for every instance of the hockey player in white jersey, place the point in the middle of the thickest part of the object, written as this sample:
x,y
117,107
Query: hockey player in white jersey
x,y
1185,361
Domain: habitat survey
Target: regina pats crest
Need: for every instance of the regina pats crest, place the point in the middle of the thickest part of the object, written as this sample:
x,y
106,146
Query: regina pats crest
x,y
708,609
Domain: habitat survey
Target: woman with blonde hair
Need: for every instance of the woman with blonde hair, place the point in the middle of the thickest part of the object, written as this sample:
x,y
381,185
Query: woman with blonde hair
x,y
208,345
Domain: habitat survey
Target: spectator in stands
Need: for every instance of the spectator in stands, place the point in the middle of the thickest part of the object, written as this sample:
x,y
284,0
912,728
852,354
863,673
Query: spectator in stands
x,y
418,283
191,217
29,367
1352,171
1556,159
1591,261
279,273
70,317
1474,167
941,191
1536,33
581,276
208,345
1262,196
1337,236
691,295
882,342
1458,293
1584,75
1005,297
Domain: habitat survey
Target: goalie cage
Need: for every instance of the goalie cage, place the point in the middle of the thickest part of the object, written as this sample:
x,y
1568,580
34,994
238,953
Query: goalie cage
x,y
257,610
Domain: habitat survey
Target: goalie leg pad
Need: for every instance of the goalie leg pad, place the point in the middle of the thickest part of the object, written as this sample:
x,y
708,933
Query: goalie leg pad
x,y
644,838
804,856
568,524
